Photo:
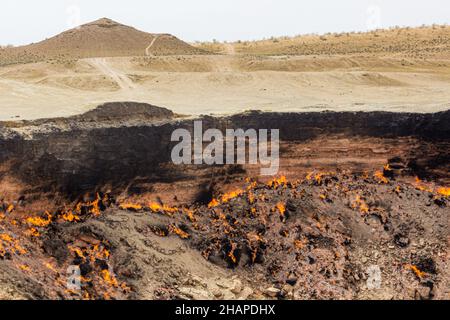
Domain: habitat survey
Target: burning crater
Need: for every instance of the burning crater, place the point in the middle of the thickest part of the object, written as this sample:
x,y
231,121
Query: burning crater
x,y
97,193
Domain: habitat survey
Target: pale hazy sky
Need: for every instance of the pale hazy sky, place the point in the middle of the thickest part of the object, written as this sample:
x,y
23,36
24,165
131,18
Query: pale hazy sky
x,y
26,21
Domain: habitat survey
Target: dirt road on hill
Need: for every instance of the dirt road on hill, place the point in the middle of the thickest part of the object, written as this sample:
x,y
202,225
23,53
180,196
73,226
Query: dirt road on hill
x,y
122,80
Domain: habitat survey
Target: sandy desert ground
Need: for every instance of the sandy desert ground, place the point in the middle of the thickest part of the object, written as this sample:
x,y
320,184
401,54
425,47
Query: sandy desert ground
x,y
222,84
392,70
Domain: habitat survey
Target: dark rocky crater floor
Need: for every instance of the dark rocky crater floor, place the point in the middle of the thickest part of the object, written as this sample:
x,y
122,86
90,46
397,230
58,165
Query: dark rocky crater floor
x,y
359,209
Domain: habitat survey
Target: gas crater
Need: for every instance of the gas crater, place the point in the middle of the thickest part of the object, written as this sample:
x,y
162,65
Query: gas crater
x,y
99,194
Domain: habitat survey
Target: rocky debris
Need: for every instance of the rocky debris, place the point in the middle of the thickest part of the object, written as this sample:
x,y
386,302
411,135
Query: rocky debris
x,y
272,292
214,289
119,111
251,230
275,240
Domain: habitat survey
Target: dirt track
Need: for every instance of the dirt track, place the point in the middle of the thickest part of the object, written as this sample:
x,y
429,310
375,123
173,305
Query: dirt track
x,y
120,78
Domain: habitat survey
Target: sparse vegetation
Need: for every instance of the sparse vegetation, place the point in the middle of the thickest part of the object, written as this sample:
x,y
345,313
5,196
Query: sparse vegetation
x,y
406,41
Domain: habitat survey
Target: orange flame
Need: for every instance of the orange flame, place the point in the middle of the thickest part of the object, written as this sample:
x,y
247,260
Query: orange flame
x,y
40,222
49,266
190,214
33,232
24,268
444,191
156,207
251,198
379,176
281,209
70,217
8,243
231,253
213,203
95,210
231,195
417,272
109,278
420,186
277,182
179,232
361,204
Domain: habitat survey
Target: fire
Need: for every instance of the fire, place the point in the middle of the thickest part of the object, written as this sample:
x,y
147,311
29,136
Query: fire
x,y
49,266
9,244
420,274
361,204
231,195
253,236
40,222
33,232
77,251
109,278
213,203
300,244
379,176
95,210
281,209
99,252
444,191
190,214
252,185
182,234
419,186
231,253
70,217
159,232
251,198
156,207
318,177
276,183
24,267
91,254
226,197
